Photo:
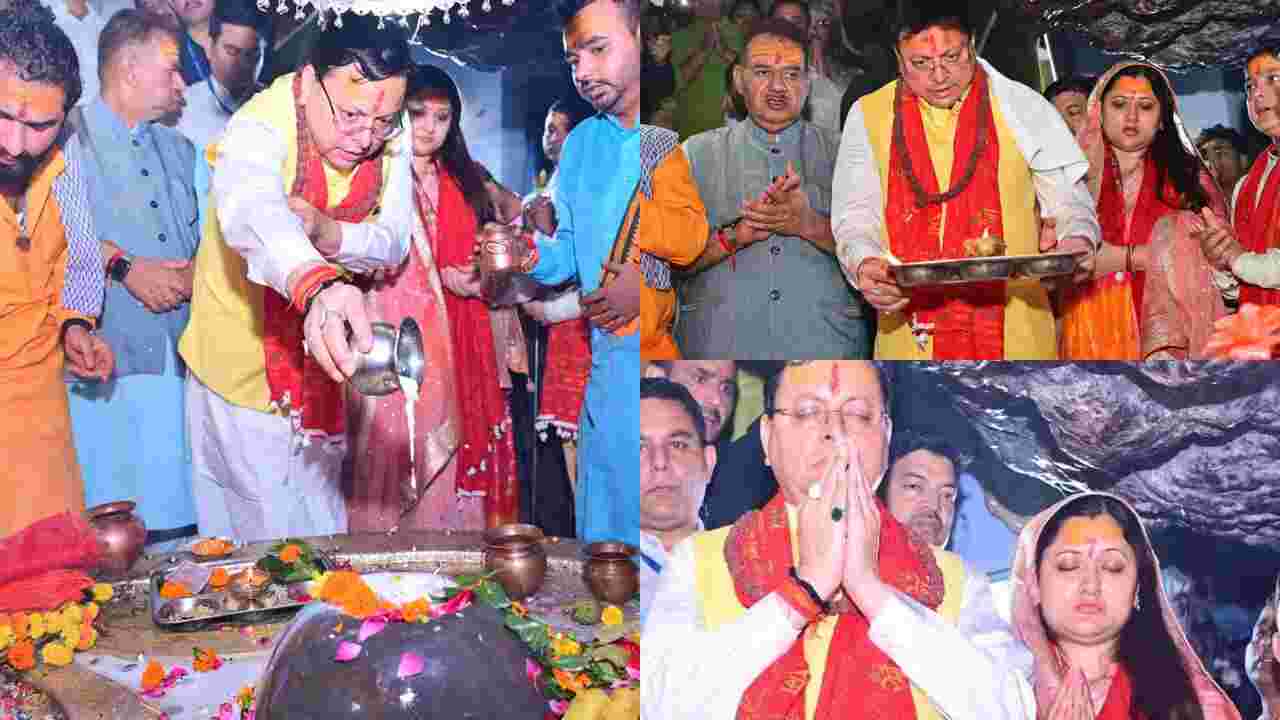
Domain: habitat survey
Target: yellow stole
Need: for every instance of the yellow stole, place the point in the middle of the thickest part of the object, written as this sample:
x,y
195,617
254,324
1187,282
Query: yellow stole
x,y
720,606
1029,332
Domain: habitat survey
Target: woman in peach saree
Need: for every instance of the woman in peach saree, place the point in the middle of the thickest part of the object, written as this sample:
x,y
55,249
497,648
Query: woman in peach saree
x,y
1089,602
1152,295
378,485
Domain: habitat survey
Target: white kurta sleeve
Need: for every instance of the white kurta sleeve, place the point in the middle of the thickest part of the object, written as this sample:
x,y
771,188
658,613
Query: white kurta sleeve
x,y
1069,203
256,221
857,208
384,242
692,673
1261,269
974,669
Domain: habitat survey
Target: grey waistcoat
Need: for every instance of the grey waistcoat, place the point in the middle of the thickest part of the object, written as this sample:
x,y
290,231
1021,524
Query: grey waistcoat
x,y
787,299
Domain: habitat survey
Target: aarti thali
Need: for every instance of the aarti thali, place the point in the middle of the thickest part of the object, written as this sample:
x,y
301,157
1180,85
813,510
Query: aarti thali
x,y
987,269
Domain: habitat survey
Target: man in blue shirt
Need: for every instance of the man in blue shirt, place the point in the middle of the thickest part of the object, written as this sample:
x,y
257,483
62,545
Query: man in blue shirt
x,y
598,175
130,432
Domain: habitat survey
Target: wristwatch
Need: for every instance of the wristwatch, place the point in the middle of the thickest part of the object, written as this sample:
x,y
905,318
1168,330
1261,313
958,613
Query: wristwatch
x,y
120,267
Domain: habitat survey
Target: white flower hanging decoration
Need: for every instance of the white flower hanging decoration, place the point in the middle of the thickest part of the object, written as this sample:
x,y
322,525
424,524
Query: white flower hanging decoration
x,y
396,10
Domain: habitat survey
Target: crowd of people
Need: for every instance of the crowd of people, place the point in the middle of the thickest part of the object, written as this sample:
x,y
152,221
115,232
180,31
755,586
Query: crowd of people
x,y
802,570
819,169
204,244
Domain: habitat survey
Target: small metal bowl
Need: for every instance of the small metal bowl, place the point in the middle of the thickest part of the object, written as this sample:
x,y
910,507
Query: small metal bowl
x,y
913,275
395,353
1049,265
986,269
187,609
249,583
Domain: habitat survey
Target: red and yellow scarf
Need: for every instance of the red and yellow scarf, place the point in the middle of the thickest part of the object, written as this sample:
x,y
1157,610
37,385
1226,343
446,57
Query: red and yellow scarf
x,y
968,320
758,553
294,377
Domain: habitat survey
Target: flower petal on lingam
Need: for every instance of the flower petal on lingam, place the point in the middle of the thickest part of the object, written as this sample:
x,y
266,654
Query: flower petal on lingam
x,y
225,712
457,603
347,651
532,670
559,707
371,627
410,664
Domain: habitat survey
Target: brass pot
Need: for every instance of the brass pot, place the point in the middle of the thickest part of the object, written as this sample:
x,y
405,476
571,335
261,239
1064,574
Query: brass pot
x,y
514,554
609,572
248,583
500,256
121,535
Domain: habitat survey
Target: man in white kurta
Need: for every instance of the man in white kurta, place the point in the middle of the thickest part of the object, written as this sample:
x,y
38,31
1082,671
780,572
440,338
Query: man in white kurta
x,y
1040,170
676,461
260,470
961,660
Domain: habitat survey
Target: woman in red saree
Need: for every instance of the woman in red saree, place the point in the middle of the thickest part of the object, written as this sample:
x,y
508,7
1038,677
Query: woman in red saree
x,y
1090,604
1153,295
465,460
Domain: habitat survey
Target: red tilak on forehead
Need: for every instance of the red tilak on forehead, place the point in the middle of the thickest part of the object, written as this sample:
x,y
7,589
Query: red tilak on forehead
x,y
835,378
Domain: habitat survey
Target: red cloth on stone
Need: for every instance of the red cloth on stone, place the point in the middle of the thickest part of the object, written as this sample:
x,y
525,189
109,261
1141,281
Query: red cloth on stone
x,y
40,565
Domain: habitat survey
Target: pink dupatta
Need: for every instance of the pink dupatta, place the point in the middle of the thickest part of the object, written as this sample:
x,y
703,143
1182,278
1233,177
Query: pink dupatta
x,y
1177,303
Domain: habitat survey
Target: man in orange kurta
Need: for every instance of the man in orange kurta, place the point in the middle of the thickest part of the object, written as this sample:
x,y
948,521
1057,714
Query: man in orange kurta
x,y
36,451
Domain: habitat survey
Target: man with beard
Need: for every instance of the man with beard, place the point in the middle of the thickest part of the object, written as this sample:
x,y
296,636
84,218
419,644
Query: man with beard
x,y
613,172
950,153
768,286
40,333
822,603
921,490
676,460
311,184
141,190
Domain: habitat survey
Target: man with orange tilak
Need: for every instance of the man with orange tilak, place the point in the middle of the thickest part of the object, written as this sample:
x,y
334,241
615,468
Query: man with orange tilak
x,y
1250,248
39,84
822,604
948,153
311,184
768,285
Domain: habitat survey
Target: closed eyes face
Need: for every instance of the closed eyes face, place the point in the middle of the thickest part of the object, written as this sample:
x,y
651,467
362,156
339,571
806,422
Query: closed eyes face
x,y
1088,576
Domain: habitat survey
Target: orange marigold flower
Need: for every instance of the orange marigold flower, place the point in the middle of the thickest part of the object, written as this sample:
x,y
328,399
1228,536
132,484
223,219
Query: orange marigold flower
x,y
290,553
21,625
416,610
88,637
570,682
205,660
172,590
152,676
348,591
5,619
22,656
219,578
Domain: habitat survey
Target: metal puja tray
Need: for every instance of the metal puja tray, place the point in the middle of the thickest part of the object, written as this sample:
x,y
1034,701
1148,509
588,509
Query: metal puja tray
x,y
986,269
202,610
